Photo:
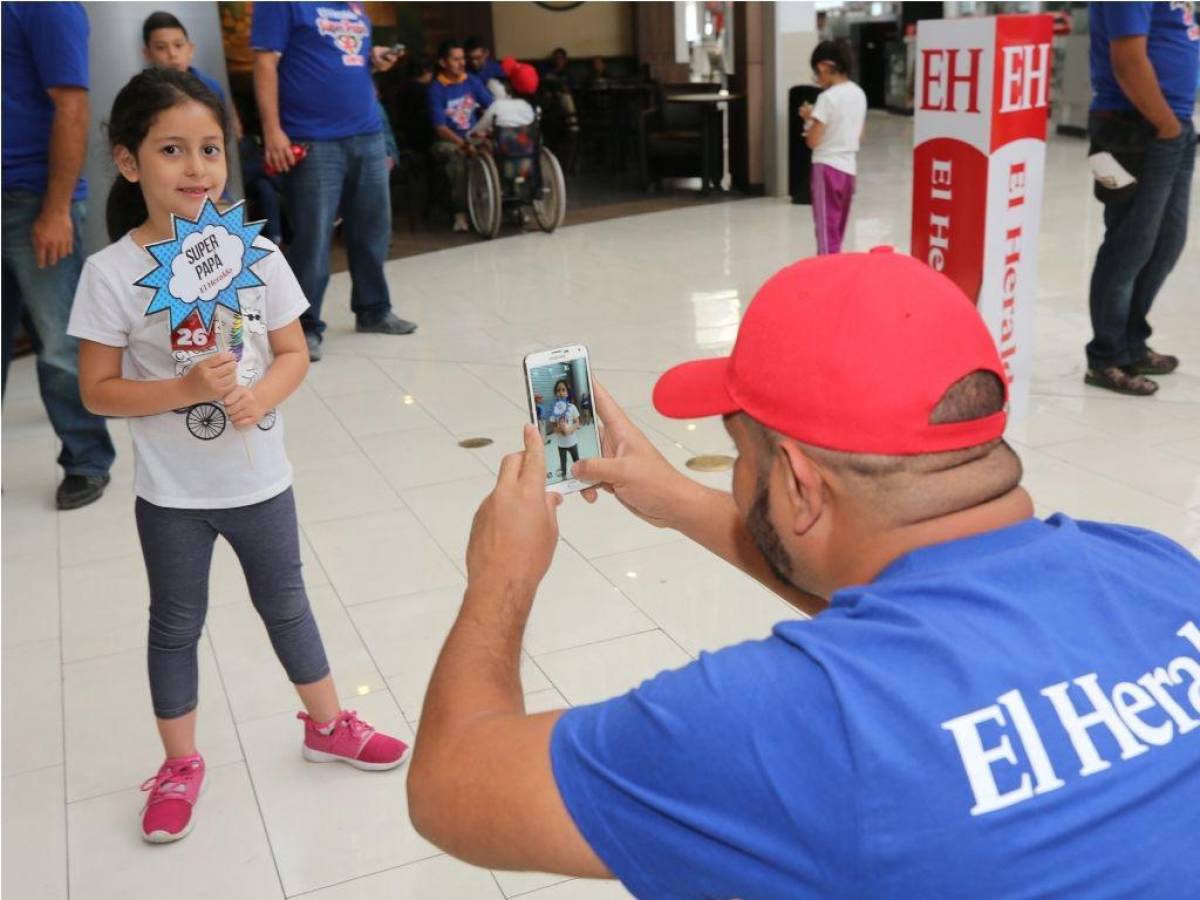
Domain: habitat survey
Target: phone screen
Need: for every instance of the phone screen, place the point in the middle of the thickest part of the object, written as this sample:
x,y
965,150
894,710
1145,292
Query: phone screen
x,y
563,406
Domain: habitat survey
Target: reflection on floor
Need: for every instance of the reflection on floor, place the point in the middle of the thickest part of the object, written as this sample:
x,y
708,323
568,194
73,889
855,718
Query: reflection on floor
x,y
386,497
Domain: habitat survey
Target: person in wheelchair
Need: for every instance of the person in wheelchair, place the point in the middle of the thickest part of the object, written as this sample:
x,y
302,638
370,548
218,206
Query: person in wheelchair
x,y
516,174
511,121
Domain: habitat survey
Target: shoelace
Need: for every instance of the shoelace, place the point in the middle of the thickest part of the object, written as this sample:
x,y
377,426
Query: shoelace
x,y
169,782
358,728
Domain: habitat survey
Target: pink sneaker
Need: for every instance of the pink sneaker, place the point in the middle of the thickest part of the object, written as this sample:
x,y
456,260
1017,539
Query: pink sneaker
x,y
350,740
167,815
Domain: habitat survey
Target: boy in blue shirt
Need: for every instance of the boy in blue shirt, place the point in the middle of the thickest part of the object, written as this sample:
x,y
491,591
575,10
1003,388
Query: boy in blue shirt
x,y
1145,58
456,101
166,45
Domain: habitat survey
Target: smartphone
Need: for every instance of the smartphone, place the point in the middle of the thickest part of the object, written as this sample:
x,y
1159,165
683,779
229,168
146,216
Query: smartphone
x,y
558,385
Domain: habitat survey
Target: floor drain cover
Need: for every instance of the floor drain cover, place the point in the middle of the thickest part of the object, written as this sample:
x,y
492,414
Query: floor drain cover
x,y
474,443
712,462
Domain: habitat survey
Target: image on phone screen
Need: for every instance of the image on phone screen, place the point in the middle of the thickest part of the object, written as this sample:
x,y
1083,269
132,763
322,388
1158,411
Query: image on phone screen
x,y
563,406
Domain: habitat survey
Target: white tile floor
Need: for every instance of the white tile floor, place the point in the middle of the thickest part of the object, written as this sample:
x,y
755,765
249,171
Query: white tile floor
x,y
386,498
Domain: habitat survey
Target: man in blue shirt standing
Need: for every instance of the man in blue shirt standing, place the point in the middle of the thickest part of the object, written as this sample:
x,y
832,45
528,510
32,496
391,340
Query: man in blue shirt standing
x,y
984,704
456,101
1144,59
312,79
45,142
480,61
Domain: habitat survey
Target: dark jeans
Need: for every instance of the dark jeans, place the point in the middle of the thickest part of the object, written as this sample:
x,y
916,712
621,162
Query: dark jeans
x,y
1144,234
178,545
46,295
563,452
262,190
349,175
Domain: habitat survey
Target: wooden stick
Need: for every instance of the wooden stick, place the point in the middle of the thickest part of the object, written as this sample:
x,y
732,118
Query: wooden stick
x,y
223,347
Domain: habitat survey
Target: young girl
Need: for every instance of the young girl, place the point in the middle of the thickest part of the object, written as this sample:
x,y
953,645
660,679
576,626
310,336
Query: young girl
x,y
565,418
833,130
208,443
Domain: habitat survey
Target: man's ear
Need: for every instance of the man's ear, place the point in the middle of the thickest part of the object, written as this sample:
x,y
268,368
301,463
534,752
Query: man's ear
x,y
804,486
126,163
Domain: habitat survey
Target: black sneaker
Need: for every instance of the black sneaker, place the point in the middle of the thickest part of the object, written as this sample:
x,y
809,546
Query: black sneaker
x,y
314,345
80,490
389,324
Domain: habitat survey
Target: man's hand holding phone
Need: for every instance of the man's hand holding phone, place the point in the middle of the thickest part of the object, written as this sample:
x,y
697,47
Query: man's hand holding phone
x,y
633,470
516,528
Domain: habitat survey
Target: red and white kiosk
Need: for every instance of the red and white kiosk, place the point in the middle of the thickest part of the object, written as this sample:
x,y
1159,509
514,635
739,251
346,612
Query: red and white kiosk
x,y
981,111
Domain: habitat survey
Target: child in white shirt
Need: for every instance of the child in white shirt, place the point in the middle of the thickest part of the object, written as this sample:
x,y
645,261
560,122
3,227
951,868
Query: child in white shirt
x,y
833,130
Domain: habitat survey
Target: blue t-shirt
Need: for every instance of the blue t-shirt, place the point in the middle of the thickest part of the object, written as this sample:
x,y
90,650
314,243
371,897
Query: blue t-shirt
x,y
491,69
45,45
209,82
325,87
926,736
1172,43
457,106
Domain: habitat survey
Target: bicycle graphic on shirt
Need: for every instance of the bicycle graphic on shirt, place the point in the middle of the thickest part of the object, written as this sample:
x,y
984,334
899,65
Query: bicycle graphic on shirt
x,y
207,420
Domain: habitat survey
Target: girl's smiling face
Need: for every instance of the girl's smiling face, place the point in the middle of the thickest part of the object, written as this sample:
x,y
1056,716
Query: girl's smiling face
x,y
180,162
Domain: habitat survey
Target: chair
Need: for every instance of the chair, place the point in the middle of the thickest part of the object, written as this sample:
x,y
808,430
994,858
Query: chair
x,y
670,134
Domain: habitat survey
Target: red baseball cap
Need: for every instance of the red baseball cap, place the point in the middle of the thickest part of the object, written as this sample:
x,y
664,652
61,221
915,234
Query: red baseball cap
x,y
850,351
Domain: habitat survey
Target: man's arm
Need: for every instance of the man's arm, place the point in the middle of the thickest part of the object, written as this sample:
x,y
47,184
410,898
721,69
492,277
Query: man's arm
x,y
1135,74
445,133
647,484
277,147
53,232
481,786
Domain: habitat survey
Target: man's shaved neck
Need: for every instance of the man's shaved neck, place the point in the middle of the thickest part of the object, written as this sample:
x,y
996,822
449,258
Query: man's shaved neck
x,y
886,506
901,491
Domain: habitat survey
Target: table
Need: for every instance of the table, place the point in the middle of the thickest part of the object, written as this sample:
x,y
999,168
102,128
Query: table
x,y
710,131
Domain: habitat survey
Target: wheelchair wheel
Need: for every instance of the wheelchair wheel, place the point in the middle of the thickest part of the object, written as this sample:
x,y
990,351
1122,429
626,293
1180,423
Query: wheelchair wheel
x,y
484,201
550,208
206,421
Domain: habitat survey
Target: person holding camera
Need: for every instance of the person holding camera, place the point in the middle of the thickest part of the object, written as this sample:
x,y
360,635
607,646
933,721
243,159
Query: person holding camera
x,y
983,704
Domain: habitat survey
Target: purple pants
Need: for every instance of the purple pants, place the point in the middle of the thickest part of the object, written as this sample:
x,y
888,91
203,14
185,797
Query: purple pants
x,y
832,191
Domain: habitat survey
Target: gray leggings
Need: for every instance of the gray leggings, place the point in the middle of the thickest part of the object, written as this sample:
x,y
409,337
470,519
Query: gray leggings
x,y
178,545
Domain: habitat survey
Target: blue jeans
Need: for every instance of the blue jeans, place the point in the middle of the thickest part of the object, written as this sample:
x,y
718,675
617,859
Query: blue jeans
x,y
1143,237
177,545
46,296
349,175
262,190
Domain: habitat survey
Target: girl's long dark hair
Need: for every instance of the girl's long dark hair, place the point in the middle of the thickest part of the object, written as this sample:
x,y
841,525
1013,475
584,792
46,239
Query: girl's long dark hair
x,y
139,103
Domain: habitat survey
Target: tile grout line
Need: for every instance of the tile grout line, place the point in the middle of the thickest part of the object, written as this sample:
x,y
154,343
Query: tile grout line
x,y
325,887
62,697
245,760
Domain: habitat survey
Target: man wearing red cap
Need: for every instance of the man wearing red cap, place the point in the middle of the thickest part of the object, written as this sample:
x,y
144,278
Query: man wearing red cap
x,y
984,703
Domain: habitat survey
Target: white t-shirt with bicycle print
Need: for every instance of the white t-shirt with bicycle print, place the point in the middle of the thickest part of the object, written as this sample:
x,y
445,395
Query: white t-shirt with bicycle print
x,y
192,458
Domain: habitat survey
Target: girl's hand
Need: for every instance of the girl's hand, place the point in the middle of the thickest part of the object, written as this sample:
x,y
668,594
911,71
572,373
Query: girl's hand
x,y
243,408
211,378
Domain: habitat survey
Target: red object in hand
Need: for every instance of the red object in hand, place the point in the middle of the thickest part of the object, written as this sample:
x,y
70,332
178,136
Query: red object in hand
x,y
299,151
